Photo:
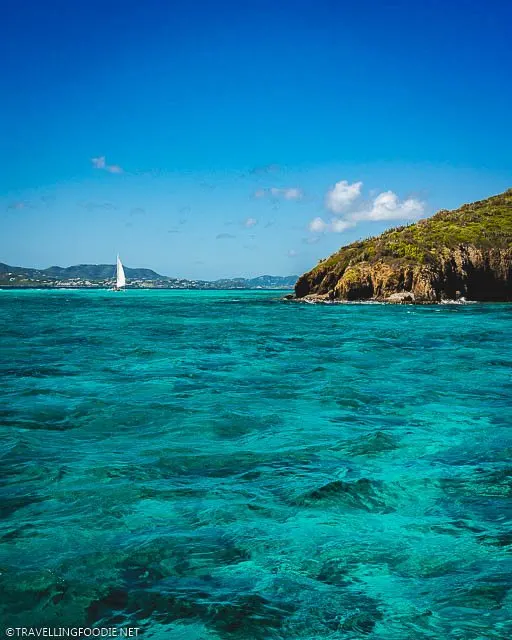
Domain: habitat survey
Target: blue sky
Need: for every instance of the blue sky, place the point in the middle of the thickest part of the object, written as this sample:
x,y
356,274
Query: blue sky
x,y
211,139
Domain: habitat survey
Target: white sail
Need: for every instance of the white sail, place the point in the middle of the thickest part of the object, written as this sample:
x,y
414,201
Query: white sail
x,y
120,277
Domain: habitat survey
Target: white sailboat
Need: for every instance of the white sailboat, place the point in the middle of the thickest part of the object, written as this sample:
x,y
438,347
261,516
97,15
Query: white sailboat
x,y
120,277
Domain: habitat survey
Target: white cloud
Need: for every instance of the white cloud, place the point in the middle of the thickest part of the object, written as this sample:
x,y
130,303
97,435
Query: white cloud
x,y
339,226
289,193
98,163
114,168
384,206
387,206
318,225
292,253
342,195
250,222
292,193
311,240
101,163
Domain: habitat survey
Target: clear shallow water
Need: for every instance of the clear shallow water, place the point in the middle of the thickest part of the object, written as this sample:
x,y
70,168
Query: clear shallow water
x,y
209,465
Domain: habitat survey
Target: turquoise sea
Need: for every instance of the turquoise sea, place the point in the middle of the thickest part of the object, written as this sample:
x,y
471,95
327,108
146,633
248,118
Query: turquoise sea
x,y
226,465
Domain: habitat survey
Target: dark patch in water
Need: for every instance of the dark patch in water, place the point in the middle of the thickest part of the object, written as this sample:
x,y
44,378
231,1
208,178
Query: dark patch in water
x,y
237,614
11,503
361,494
373,444
40,372
485,594
236,424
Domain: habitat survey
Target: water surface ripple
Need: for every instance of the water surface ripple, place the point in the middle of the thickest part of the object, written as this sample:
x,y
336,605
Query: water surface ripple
x,y
225,465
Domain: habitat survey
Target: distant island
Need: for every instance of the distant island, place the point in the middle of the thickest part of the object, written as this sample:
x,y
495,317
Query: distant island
x,y
102,276
464,253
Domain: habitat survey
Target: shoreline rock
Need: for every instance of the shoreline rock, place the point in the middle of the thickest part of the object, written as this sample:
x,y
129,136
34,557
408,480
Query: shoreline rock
x,y
403,297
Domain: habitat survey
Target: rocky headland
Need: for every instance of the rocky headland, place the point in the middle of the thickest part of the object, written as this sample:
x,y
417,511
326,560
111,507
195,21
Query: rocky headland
x,y
464,253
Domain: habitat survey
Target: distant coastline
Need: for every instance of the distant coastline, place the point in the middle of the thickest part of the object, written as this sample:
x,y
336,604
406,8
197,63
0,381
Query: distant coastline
x,y
92,276
36,287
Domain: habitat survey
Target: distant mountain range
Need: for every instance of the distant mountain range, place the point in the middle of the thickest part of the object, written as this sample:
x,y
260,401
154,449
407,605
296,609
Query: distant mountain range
x,y
102,274
261,282
83,271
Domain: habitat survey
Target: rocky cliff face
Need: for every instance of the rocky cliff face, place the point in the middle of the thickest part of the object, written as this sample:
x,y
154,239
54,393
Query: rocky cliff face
x,y
466,252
